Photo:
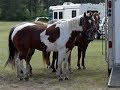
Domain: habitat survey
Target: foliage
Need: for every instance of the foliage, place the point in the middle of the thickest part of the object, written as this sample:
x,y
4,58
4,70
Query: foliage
x,y
28,9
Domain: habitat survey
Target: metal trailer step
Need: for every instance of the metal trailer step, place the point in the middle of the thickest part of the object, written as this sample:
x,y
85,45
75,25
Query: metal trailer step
x,y
114,80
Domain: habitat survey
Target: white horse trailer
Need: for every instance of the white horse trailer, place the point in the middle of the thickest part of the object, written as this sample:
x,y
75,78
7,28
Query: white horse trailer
x,y
113,41
69,10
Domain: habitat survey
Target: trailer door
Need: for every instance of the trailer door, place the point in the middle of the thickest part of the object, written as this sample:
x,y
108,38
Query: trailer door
x,y
117,31
114,28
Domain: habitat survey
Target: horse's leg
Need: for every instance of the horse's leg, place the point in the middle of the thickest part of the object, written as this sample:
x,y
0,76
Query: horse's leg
x,y
28,67
20,66
65,65
61,56
79,56
56,65
55,56
46,58
18,70
29,56
83,57
69,62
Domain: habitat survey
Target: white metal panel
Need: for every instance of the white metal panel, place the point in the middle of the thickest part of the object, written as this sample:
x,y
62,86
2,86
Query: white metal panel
x,y
117,31
72,6
93,7
110,32
67,14
114,80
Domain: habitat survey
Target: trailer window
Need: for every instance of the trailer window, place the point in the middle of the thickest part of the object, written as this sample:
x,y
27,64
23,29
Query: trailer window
x,y
60,15
73,13
55,15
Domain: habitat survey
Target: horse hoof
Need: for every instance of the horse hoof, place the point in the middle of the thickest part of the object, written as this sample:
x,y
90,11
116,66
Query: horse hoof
x,y
21,72
78,65
71,72
26,78
84,67
30,74
69,69
20,79
53,70
66,78
60,79
48,67
79,68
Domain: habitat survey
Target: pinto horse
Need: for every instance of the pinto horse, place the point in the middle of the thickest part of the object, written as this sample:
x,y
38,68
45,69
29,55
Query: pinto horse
x,y
81,42
60,36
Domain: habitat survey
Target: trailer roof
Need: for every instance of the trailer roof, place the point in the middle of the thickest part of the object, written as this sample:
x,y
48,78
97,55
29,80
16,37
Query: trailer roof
x,y
72,5
64,6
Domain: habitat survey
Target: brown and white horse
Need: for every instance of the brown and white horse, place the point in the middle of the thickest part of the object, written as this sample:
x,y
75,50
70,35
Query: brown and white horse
x,y
81,42
60,36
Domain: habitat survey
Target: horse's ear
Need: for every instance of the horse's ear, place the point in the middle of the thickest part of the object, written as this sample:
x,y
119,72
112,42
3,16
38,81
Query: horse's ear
x,y
91,13
84,14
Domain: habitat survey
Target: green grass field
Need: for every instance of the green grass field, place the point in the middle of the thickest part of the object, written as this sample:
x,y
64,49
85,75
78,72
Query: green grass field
x,y
94,77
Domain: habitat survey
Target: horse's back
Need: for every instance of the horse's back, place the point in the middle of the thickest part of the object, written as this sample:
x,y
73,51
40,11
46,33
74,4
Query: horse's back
x,y
26,35
41,24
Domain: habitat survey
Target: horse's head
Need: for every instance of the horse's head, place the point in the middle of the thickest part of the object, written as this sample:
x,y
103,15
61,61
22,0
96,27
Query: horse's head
x,y
96,17
87,22
96,21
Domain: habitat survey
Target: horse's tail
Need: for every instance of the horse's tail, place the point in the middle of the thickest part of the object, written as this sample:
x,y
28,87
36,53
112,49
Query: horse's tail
x,y
12,50
46,58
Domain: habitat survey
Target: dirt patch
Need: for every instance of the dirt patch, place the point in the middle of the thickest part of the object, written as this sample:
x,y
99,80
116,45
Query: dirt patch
x,y
46,80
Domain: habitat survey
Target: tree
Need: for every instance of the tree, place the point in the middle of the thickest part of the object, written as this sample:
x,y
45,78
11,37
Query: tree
x,y
13,9
28,9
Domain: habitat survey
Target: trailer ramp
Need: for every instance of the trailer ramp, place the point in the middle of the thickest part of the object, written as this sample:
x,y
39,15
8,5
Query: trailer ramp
x,y
114,80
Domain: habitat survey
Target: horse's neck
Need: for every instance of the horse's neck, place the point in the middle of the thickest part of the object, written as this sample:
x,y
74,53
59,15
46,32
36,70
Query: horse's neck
x,y
85,39
74,24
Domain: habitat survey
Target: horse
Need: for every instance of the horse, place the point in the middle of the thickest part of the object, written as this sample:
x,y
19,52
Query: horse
x,y
81,42
60,37
82,47
40,26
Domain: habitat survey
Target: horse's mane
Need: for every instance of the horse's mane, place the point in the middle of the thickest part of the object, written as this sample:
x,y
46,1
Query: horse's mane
x,y
40,23
75,21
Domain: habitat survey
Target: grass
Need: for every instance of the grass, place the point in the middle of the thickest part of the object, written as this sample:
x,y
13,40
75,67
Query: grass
x,y
93,78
